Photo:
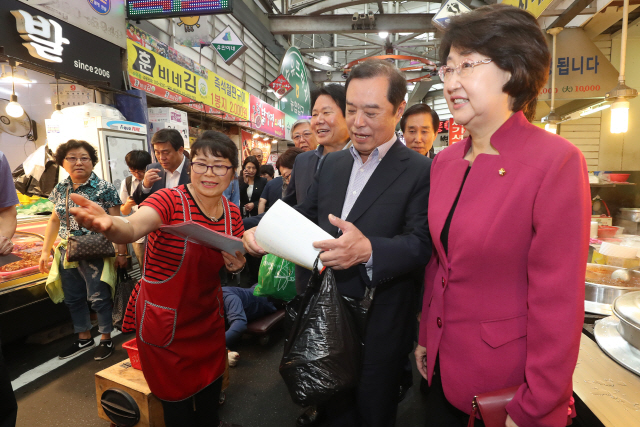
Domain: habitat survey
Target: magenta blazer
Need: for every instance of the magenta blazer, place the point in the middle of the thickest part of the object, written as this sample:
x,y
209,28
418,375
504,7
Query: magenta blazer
x,y
506,306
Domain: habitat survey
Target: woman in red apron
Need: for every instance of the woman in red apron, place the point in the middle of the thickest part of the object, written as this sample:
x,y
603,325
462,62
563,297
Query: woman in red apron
x,y
178,311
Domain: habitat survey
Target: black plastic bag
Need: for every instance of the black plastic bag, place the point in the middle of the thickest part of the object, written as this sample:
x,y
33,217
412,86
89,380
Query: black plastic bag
x,y
323,352
29,186
124,288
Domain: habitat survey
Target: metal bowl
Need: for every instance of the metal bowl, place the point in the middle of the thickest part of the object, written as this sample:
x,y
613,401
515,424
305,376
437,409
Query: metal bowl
x,y
627,309
602,293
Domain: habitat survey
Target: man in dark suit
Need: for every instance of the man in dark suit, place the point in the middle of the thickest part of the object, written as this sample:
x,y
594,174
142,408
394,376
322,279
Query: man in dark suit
x,y
172,168
373,198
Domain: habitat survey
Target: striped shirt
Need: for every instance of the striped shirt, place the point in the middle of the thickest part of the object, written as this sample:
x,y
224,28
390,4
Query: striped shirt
x,y
164,251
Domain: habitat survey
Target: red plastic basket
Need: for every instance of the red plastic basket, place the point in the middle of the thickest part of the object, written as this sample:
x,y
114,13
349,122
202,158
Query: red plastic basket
x,y
132,351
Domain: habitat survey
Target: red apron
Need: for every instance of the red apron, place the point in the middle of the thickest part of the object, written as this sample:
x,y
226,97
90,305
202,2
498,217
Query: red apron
x,y
180,320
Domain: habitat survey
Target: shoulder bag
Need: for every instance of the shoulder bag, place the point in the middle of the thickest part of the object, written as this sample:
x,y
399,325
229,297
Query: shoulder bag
x,y
87,247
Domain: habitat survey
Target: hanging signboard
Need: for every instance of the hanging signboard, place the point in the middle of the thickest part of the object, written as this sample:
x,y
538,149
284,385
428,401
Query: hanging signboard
x,y
147,9
582,71
38,38
228,45
288,123
102,18
448,10
280,86
535,7
266,118
456,132
296,103
157,75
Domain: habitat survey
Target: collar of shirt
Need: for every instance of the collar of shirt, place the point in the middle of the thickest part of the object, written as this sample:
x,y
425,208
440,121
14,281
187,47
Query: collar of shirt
x,y
320,149
378,153
179,168
92,181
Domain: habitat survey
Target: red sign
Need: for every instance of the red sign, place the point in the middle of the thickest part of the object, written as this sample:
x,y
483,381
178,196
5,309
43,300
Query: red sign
x,y
456,132
280,86
266,118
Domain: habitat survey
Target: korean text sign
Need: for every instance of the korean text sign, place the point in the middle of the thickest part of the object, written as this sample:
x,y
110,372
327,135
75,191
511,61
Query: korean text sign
x,y
214,91
266,118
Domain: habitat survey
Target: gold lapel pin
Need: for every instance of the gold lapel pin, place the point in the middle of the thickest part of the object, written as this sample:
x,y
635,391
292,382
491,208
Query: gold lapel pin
x,y
502,171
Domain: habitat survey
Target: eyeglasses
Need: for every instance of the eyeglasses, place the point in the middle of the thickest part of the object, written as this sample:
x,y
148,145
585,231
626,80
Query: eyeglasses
x,y
464,69
134,172
218,170
306,135
74,160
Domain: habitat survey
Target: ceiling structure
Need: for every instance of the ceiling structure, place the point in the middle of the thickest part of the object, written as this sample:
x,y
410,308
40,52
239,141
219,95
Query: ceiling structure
x,y
333,33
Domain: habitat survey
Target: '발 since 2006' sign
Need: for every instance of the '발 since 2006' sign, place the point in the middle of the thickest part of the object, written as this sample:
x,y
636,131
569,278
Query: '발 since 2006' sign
x,y
36,37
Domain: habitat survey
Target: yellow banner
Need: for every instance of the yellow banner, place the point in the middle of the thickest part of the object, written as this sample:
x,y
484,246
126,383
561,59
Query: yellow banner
x,y
213,91
535,7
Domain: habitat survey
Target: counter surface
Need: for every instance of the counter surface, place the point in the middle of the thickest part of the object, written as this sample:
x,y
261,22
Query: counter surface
x,y
610,391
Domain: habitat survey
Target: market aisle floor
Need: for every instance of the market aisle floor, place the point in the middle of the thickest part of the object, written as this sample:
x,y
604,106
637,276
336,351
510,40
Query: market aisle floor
x,y
257,397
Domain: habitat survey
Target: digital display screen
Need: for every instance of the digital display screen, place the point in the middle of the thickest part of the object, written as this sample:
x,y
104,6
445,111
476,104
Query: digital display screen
x,y
146,9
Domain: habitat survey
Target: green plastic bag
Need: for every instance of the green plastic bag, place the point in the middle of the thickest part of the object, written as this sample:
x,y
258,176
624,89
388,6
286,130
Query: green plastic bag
x,y
276,278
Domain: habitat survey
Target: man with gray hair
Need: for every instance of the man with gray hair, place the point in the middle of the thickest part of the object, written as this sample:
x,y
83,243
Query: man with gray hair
x,y
302,136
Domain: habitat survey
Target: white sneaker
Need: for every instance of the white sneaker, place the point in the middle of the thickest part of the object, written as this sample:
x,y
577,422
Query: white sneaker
x,y
233,358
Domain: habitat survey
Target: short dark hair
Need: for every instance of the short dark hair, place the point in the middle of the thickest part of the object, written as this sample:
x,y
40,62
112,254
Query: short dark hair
x,y
513,40
337,92
73,144
375,68
288,158
216,144
251,159
138,160
420,109
268,169
168,135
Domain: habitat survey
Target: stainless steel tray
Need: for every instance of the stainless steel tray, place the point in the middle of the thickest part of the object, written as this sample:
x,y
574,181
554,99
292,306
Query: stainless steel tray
x,y
606,294
630,214
616,347
597,308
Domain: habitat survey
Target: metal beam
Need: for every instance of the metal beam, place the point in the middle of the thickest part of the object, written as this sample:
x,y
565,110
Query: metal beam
x,y
329,5
406,38
311,63
602,21
570,12
365,39
340,24
419,91
336,76
359,47
254,25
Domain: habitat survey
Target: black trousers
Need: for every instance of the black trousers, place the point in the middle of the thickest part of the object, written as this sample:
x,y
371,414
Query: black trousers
x,y
441,413
8,404
375,402
200,410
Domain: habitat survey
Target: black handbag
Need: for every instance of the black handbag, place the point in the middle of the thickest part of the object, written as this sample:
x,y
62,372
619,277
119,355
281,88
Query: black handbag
x,y
87,247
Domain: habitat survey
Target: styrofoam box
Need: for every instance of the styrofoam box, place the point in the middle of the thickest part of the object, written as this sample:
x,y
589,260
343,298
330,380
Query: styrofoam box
x,y
183,129
167,115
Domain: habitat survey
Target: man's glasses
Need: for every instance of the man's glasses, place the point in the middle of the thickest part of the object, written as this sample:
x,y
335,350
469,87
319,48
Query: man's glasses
x,y
306,135
464,69
74,160
218,170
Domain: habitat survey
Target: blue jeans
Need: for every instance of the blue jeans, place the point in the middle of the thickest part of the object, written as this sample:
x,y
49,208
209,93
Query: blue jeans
x,y
83,284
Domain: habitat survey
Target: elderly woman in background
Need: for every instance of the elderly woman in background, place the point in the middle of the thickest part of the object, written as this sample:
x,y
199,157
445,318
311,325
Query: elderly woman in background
x,y
77,282
509,217
177,308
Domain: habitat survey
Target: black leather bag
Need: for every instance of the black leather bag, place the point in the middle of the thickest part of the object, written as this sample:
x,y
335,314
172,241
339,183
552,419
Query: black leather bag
x,y
87,247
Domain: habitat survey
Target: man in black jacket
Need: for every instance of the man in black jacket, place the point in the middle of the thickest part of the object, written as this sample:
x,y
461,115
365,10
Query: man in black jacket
x,y
172,169
373,199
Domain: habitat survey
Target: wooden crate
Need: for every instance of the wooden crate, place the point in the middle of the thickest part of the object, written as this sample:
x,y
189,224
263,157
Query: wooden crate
x,y
122,376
